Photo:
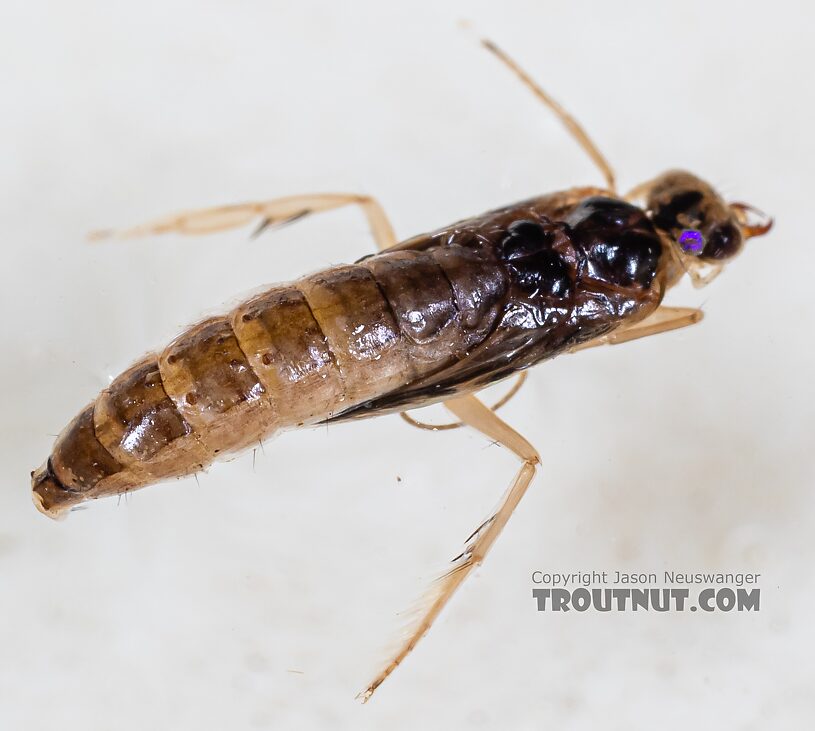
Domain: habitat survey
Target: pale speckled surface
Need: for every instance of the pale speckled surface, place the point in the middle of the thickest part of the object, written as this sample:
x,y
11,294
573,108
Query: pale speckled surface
x,y
191,607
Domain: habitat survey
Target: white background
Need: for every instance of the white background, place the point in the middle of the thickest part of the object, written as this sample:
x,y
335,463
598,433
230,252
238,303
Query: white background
x,y
265,597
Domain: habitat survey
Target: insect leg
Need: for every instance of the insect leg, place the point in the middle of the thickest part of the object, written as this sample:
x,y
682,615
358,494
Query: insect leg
x,y
477,415
520,379
273,212
661,320
572,125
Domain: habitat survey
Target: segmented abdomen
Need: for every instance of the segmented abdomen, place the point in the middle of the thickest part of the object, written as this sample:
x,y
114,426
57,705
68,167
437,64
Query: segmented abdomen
x,y
433,317
295,355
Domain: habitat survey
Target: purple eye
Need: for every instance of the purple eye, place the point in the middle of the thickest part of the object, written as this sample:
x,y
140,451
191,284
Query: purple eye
x,y
691,241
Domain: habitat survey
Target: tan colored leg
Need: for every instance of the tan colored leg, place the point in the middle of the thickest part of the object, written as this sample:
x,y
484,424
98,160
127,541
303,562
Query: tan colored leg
x,y
662,320
475,414
568,121
269,213
520,379
701,274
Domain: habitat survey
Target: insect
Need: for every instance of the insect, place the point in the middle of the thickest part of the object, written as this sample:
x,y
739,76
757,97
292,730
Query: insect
x,y
434,318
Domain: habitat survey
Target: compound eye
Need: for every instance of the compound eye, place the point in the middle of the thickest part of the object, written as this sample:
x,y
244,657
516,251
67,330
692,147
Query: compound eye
x,y
723,242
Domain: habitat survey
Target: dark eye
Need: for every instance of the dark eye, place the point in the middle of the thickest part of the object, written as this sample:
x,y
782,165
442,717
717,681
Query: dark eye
x,y
723,242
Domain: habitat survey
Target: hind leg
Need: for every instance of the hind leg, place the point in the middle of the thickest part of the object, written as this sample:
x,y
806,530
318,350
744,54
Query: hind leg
x,y
475,414
275,212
